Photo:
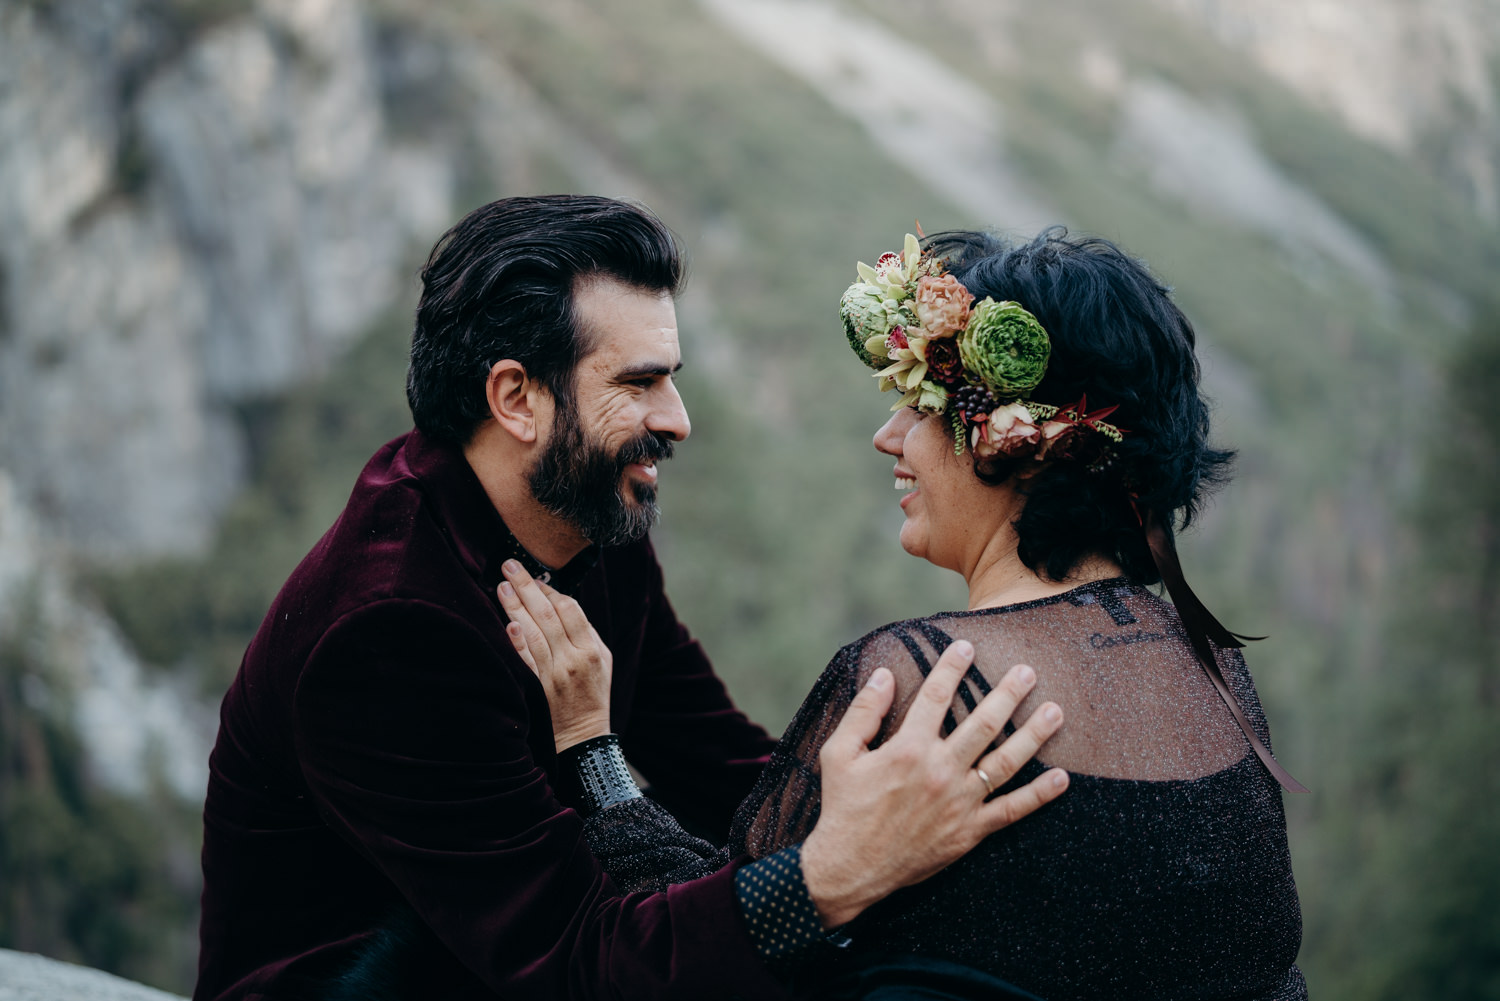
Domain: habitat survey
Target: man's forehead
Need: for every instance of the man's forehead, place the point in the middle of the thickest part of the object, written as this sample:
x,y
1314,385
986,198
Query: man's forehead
x,y
627,325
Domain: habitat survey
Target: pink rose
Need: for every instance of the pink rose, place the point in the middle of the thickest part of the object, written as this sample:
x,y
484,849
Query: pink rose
x,y
1053,433
1009,430
942,305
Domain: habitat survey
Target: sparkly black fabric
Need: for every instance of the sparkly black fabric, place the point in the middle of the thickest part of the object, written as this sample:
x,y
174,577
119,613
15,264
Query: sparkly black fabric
x,y
1163,872
780,913
643,849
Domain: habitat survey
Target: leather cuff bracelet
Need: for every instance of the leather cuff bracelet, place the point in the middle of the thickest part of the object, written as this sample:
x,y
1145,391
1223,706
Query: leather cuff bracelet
x,y
592,775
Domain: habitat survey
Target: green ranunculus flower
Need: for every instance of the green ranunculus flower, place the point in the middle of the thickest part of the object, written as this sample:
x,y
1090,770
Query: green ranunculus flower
x,y
866,315
1005,347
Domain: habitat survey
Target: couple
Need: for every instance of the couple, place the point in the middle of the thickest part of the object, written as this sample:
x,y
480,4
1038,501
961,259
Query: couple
x,y
388,763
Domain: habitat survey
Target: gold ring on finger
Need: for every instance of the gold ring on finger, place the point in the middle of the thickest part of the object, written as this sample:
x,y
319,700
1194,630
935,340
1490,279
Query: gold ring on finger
x,y
985,778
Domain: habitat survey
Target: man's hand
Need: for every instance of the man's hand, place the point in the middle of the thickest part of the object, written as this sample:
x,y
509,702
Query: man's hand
x,y
553,636
896,815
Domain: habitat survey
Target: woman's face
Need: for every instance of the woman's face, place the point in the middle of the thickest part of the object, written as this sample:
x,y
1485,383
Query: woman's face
x,y
951,514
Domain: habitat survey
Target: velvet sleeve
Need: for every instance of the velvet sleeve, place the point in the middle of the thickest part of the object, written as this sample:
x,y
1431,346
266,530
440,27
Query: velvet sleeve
x,y
411,731
701,754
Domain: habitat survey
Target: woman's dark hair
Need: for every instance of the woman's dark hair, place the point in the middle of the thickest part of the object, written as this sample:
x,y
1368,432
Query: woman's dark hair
x,y
1117,337
500,284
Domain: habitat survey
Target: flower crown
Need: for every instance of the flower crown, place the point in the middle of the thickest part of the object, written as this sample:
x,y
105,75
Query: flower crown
x,y
919,327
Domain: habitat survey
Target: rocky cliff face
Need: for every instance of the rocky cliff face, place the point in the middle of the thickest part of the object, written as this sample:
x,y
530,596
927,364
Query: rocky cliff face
x,y
1416,78
198,211
137,726
201,205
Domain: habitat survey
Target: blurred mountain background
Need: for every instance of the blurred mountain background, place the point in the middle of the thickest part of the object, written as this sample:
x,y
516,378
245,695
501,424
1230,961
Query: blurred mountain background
x,y
212,213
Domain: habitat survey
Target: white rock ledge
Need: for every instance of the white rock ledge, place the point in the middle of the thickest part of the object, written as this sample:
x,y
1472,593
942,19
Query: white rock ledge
x,y
27,977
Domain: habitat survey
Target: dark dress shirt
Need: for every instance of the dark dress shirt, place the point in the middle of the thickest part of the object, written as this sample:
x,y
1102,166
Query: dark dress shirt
x,y
383,744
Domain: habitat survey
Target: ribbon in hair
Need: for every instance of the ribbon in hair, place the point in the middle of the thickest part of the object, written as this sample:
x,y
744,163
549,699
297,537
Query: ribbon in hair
x,y
1201,627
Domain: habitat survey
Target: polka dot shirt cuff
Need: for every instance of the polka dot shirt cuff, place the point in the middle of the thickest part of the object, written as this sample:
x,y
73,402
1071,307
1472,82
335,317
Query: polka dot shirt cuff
x,y
777,907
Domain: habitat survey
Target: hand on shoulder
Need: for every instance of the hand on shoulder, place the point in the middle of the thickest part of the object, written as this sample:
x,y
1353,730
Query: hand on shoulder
x,y
893,816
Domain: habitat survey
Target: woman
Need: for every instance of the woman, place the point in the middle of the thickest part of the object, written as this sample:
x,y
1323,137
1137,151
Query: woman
x,y
1049,434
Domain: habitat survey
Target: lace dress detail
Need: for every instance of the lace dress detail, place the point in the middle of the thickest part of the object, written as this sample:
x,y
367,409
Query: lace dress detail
x,y
1162,873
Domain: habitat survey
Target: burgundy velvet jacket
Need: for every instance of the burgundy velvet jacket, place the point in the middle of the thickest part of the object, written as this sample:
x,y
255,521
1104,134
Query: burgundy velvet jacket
x,y
383,743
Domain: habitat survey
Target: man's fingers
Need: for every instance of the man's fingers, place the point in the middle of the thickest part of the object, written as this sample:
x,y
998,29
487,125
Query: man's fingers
x,y
1011,807
861,721
984,724
1021,746
537,604
570,614
517,638
925,717
520,617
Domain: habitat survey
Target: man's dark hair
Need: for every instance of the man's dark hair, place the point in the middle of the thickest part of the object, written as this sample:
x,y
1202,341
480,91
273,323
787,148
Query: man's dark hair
x,y
1118,337
501,284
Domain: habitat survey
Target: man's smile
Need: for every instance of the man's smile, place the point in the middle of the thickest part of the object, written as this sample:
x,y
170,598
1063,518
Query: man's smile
x,y
643,470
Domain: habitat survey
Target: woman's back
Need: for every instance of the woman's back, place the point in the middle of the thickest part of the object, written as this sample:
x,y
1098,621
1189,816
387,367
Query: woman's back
x,y
1164,871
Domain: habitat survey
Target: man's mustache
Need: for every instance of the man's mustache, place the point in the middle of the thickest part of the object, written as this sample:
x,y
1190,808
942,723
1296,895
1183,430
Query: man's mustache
x,y
649,447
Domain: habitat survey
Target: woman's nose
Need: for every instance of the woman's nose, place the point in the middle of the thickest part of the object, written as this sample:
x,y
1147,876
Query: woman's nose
x,y
892,434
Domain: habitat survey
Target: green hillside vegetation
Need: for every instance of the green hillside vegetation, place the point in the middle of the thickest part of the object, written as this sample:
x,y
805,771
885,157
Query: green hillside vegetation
x,y
89,876
779,531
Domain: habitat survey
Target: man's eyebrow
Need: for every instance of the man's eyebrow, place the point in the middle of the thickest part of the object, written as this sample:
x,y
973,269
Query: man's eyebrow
x,y
642,371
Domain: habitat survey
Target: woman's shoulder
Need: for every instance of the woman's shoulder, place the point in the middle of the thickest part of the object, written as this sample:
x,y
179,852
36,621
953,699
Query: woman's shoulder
x,y
1113,597
901,646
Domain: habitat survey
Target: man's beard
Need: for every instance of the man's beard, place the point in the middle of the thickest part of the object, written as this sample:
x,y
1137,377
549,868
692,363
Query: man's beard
x,y
577,479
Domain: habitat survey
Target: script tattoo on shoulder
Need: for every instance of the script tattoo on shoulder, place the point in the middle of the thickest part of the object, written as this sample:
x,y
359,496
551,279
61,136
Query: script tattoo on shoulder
x,y
1099,641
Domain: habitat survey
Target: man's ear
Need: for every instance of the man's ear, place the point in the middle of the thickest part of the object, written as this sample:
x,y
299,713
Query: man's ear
x,y
516,400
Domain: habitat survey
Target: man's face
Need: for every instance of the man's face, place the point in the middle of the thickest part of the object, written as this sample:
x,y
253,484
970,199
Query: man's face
x,y
598,468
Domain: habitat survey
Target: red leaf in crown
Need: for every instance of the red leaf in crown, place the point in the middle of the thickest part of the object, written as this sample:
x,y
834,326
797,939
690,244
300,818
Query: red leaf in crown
x,y
1078,412
1097,415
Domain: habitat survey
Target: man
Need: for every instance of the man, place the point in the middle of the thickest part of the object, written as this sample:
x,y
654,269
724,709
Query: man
x,y
384,747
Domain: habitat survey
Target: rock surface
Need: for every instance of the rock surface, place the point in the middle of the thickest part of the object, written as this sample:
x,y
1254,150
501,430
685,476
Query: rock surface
x,y
198,214
138,726
1404,75
27,977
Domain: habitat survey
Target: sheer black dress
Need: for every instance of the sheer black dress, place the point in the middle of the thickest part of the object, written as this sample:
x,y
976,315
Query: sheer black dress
x,y
1162,873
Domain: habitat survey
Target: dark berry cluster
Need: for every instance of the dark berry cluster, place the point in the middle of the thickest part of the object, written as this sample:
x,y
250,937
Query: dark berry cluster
x,y
972,401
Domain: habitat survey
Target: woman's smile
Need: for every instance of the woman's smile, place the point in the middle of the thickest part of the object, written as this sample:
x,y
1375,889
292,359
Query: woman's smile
x,y
908,482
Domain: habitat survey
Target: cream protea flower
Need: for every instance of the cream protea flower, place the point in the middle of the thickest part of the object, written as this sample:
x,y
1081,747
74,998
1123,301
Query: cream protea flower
x,y
881,300
942,305
869,314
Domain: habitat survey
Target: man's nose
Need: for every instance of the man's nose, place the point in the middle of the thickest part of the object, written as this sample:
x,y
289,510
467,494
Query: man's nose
x,y
670,417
